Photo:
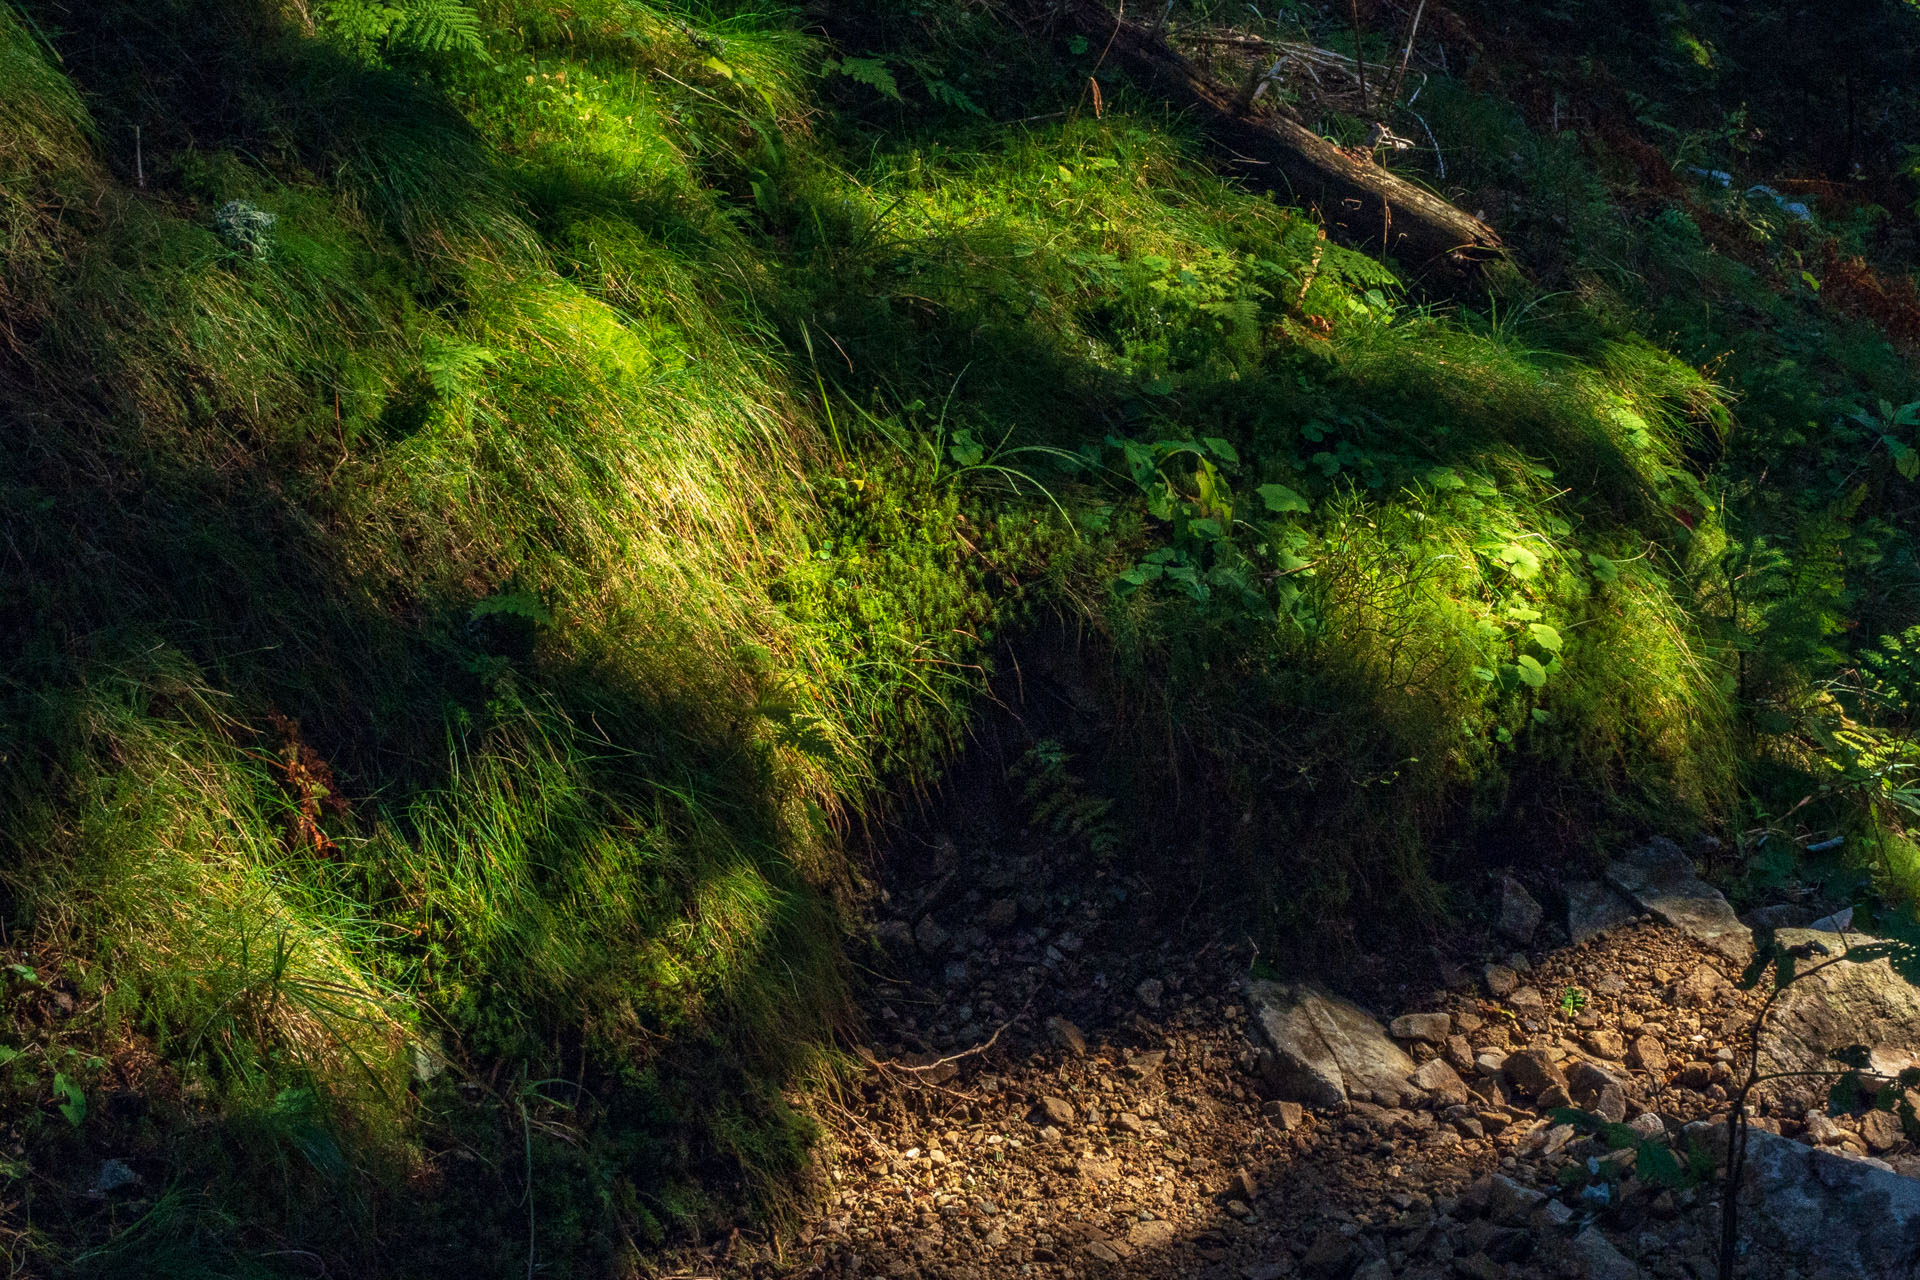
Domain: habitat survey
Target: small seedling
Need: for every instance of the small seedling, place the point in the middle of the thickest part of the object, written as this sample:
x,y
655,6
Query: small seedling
x,y
1572,1001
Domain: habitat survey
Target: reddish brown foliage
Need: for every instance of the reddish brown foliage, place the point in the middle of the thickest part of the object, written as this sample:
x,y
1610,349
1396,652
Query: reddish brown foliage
x,y
1851,286
310,785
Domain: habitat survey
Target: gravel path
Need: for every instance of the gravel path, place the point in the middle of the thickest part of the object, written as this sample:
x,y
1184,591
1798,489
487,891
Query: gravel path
x,y
1047,1095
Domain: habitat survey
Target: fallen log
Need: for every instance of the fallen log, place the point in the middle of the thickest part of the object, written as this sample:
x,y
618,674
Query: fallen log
x,y
1363,204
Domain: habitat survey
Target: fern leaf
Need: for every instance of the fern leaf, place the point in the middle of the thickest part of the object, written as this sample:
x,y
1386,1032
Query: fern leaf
x,y
441,26
871,72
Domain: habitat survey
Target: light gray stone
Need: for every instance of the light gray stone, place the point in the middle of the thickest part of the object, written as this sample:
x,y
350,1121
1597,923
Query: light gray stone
x,y
1859,999
1660,878
1327,1049
1595,1258
1825,1216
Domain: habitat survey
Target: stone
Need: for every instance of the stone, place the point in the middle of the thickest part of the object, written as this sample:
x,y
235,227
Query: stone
x,y
1694,1075
1128,1123
114,1175
1378,1269
1847,1002
1066,1036
1532,1072
1556,1140
1594,1089
1781,915
1823,1216
1150,992
1053,1111
1490,1062
1648,1124
1647,1054
1287,1115
1881,1130
1509,1203
1519,914
1605,1044
1000,915
930,936
1822,1131
1242,1186
1593,908
1595,1258
1327,1050
1660,878
894,935
1840,921
1527,999
1441,1081
1459,1053
1428,1028
1500,980
1150,1235
1330,1255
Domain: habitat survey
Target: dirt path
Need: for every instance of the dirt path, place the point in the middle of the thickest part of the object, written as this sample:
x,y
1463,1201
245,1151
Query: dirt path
x,y
1052,1092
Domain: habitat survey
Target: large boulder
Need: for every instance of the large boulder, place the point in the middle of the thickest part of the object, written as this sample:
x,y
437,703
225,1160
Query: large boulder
x,y
1327,1050
1660,878
1849,991
1821,1216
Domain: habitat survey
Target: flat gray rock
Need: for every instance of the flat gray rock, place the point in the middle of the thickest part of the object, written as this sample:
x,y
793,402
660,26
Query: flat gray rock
x,y
1599,1260
1660,878
1858,999
1823,1216
1328,1050
1594,907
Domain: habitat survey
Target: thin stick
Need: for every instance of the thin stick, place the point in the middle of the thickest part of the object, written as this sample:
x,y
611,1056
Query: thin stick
x,y
1359,60
139,161
1406,54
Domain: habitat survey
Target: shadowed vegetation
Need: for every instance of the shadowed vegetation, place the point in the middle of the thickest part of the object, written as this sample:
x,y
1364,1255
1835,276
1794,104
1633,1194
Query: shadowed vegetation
x,y
499,502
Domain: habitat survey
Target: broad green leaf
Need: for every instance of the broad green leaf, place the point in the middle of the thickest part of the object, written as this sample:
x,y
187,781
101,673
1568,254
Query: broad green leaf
x,y
1521,562
1531,672
72,1102
1279,498
1546,637
1604,570
1222,449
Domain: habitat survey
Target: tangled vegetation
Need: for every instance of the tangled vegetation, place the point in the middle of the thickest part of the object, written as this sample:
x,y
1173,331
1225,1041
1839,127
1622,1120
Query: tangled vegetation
x,y
501,500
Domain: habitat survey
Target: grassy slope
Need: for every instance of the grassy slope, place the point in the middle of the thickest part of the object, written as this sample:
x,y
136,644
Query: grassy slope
x,y
470,617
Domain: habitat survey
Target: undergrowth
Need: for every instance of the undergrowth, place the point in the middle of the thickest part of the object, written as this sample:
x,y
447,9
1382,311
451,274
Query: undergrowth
x,y
500,502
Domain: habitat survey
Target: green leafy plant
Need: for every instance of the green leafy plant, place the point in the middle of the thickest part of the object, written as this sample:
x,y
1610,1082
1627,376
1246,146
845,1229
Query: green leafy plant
x,y
374,30
69,1099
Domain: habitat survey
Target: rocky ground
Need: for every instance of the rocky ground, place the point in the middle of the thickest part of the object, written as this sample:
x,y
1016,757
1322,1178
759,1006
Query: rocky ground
x,y
1049,1093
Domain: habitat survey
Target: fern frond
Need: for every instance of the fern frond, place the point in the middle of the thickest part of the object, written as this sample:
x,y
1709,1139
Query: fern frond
x,y
440,26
